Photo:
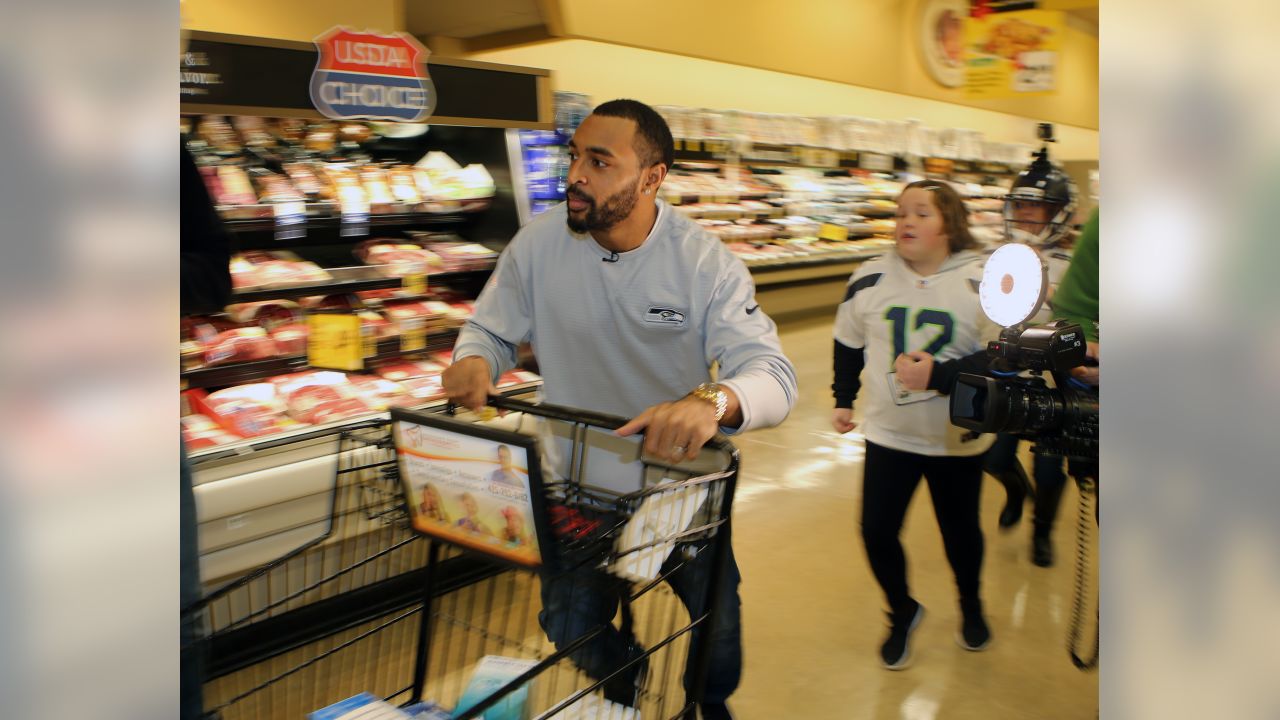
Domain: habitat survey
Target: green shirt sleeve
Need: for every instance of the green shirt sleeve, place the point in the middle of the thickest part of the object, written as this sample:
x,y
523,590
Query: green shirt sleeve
x,y
1077,295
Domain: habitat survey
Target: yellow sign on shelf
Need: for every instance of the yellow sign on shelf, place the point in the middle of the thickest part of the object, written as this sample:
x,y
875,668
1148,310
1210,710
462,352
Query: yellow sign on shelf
x,y
415,284
829,231
413,334
335,342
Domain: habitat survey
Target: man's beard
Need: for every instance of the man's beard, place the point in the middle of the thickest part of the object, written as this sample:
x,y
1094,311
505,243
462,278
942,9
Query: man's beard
x,y
603,216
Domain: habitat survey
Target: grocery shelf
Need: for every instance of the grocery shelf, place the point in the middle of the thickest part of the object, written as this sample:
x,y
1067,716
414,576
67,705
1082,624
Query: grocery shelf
x,y
219,376
320,222
248,446
348,280
769,266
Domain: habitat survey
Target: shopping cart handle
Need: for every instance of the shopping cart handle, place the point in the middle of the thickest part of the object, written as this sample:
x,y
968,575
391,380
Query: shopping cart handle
x,y
585,417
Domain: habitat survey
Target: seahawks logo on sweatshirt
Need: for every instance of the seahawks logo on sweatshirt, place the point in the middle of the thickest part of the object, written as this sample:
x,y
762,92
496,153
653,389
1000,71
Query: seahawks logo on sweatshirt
x,y
664,316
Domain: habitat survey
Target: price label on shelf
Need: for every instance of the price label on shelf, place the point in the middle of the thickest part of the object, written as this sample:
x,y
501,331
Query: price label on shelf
x,y
693,145
413,334
828,231
415,283
334,341
291,219
355,214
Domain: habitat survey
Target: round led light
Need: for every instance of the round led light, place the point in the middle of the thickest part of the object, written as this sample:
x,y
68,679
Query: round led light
x,y
1013,285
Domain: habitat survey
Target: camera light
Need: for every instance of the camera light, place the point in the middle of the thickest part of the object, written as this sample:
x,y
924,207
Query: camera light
x,y
1013,285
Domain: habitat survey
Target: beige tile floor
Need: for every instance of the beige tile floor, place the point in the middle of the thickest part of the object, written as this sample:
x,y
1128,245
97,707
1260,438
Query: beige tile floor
x,y
813,617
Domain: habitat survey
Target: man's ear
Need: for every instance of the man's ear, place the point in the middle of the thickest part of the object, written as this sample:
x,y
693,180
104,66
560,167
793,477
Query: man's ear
x,y
654,176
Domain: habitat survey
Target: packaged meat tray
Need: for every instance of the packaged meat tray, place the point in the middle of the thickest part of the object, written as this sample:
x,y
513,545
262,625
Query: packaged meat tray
x,y
290,339
381,393
249,410
319,397
268,314
200,431
460,256
398,257
275,268
239,345
401,371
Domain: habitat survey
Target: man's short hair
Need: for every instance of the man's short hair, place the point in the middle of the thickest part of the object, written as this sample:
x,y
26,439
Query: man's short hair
x,y
653,138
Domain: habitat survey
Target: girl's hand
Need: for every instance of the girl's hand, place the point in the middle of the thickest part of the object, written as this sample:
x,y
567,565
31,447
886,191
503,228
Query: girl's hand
x,y
913,370
842,420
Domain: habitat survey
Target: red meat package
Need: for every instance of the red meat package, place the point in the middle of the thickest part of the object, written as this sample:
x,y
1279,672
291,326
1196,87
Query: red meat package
x,y
200,431
402,371
380,393
249,410
268,314
425,388
320,396
290,339
399,257
239,345
517,377
261,268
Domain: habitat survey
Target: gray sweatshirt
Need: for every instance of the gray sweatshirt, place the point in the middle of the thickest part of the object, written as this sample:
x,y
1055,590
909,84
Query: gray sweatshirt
x,y
618,333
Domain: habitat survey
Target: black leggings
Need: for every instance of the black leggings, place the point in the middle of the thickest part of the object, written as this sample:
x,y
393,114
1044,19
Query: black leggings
x,y
955,483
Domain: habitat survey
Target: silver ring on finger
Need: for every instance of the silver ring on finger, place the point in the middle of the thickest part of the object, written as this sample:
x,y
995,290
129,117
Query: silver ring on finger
x,y
680,449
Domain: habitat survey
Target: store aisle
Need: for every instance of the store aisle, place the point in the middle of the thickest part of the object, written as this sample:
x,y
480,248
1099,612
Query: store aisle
x,y
813,615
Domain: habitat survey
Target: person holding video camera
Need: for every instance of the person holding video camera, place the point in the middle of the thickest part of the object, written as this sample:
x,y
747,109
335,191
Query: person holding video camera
x,y
919,301
1037,213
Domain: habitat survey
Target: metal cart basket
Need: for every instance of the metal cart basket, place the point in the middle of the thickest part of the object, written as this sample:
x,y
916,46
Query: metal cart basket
x,y
374,606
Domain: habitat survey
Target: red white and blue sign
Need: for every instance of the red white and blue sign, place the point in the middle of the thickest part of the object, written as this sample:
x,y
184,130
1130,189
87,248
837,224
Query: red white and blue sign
x,y
371,76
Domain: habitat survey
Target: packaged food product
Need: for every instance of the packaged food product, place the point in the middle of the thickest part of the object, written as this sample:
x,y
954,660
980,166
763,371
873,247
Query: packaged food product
x,y
403,186
292,130
249,410
267,313
319,396
239,345
253,131
305,179
354,132
217,133
264,268
290,339
232,187
321,138
407,370
200,431
273,187
400,257
376,186
380,393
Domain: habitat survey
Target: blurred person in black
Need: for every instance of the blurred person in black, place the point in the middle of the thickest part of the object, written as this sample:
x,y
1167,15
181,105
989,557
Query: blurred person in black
x,y
206,287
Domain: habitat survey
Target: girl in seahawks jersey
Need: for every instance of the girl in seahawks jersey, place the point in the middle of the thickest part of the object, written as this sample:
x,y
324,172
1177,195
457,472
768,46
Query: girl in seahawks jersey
x,y
901,313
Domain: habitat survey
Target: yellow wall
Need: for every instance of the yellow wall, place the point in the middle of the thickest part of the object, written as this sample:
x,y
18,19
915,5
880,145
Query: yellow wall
x,y
290,19
606,71
868,43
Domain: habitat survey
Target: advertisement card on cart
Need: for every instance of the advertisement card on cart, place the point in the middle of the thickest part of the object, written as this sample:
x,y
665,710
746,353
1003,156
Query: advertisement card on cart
x,y
473,486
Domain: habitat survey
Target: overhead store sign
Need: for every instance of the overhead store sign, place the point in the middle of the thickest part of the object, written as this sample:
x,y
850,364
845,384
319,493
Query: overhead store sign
x,y
370,76
1012,53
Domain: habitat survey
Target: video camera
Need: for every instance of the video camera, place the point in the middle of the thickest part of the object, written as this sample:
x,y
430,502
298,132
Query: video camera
x,y
1060,420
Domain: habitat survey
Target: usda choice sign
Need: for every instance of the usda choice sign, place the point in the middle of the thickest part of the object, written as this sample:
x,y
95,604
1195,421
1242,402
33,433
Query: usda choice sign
x,y
371,76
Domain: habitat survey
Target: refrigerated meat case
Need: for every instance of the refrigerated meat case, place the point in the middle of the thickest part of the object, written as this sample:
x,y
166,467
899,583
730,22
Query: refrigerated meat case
x,y
260,498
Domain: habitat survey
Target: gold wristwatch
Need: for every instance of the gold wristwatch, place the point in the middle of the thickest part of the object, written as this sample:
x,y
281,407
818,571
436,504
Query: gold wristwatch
x,y
715,395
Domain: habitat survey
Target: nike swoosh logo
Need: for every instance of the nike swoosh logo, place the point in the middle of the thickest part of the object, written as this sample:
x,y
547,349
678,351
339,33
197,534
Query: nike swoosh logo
x,y
751,310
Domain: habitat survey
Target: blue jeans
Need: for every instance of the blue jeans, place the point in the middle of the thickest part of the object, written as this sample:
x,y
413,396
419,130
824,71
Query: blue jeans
x,y
580,601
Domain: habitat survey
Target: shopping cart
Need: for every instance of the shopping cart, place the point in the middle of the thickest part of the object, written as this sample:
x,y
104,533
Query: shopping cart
x,y
373,606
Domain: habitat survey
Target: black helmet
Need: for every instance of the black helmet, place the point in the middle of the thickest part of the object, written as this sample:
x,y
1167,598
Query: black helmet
x,y
1041,183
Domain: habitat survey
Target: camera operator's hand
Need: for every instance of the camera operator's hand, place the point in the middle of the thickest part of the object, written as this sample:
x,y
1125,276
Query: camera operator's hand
x,y
914,370
842,420
1088,373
